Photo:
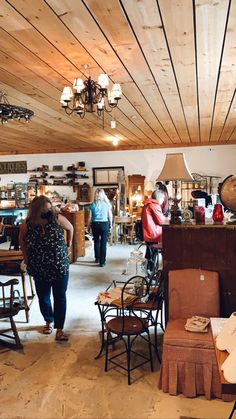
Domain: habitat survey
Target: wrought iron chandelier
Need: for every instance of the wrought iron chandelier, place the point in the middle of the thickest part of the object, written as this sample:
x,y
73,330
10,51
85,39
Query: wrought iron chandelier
x,y
90,96
12,112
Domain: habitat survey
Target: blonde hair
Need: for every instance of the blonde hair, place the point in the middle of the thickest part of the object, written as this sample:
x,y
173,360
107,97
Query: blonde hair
x,y
100,196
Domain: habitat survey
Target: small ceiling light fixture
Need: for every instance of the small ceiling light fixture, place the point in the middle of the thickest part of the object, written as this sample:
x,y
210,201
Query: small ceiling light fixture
x,y
89,93
115,141
12,112
113,124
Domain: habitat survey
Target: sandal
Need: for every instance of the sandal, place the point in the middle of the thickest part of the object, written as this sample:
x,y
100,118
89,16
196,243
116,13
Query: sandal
x,y
61,336
48,328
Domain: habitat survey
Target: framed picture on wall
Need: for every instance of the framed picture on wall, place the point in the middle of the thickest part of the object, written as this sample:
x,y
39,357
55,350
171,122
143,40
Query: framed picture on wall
x,y
103,176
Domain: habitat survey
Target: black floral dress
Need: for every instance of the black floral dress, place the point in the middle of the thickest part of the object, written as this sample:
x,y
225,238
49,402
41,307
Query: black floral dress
x,y
48,258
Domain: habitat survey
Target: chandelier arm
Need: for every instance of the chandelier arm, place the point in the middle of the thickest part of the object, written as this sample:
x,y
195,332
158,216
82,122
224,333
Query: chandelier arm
x,y
110,107
68,110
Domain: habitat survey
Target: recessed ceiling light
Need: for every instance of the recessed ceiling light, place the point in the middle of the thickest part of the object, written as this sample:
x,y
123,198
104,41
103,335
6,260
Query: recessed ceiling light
x,y
115,141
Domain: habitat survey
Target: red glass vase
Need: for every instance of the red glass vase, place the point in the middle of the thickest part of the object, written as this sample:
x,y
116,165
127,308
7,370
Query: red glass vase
x,y
199,214
218,214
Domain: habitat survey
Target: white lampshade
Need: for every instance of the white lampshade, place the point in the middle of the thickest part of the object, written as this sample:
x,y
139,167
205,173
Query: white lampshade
x,y
101,104
103,80
116,91
175,168
149,186
78,85
66,95
111,97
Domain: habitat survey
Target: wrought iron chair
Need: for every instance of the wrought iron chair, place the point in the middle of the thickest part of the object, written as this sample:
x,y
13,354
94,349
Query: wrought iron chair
x,y
129,323
154,306
9,309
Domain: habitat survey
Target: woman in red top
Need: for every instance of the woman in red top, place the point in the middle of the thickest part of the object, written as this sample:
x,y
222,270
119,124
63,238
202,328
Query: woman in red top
x,y
152,217
165,204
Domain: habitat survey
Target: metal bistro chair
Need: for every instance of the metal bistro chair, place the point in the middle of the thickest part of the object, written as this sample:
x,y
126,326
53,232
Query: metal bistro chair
x,y
127,325
154,305
9,309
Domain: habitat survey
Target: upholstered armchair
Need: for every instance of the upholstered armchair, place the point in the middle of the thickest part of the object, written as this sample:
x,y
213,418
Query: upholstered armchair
x,y
188,361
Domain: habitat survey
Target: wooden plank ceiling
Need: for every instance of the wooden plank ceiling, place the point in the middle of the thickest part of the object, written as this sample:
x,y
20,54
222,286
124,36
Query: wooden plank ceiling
x,y
175,61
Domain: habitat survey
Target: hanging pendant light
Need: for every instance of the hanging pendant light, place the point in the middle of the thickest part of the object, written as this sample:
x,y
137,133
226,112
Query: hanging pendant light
x,y
90,96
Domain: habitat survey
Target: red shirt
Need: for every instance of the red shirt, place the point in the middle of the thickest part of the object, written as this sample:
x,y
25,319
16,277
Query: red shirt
x,y
152,217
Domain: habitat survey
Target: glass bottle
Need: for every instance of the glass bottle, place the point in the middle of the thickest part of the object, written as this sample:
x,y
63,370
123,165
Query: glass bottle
x,y
218,214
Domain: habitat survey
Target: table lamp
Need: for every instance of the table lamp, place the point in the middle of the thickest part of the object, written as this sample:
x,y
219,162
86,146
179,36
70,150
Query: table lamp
x,y
175,169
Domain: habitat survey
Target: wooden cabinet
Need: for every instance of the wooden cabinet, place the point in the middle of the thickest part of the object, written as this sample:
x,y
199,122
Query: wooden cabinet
x,y
210,247
77,220
136,193
83,192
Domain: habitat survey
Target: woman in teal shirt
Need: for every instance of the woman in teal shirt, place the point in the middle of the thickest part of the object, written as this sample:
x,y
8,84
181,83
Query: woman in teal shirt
x,y
101,221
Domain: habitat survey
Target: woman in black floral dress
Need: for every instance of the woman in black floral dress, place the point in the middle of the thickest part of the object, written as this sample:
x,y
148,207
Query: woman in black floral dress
x,y
46,256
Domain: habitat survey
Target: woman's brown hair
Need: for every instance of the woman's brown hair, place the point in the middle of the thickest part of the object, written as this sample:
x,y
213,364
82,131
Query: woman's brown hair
x,y
36,208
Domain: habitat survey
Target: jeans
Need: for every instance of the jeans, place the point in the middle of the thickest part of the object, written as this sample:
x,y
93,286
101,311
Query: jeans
x,y
100,231
58,312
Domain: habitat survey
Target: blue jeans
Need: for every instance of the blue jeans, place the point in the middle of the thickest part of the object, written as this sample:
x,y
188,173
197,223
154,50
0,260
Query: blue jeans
x,y
100,231
58,312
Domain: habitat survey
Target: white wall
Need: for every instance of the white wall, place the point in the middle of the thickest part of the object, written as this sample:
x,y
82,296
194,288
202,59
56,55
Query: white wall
x,y
215,160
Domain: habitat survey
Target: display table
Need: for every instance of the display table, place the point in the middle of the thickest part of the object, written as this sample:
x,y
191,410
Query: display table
x,y
126,222
209,246
227,388
10,261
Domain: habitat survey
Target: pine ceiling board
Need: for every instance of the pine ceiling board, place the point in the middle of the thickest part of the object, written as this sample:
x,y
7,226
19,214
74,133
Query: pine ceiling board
x,y
47,23
128,50
149,31
38,103
78,20
42,17
11,66
178,24
38,108
97,135
210,27
227,81
71,124
17,142
145,129
19,28
26,8
32,93
20,53
232,139
230,125
29,138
